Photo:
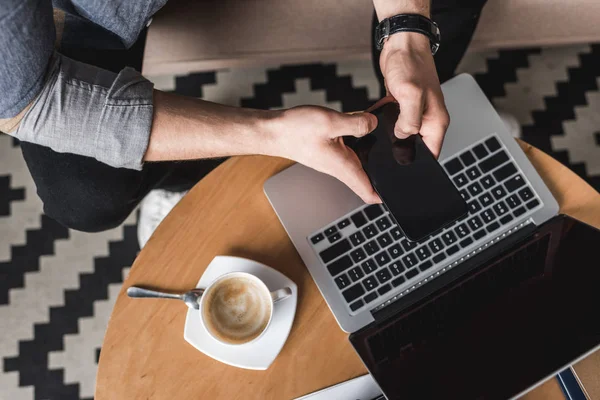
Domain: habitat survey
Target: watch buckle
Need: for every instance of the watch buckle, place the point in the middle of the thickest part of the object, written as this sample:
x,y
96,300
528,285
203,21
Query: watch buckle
x,y
385,28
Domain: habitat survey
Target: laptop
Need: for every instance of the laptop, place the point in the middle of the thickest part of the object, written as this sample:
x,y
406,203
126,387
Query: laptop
x,y
468,303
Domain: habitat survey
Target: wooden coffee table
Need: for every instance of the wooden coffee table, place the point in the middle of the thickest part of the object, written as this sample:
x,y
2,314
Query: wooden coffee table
x,y
144,354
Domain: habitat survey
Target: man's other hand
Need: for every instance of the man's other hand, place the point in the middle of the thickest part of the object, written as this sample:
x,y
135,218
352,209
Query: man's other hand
x,y
313,136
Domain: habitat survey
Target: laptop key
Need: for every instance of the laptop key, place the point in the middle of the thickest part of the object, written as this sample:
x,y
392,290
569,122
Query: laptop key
x,y
498,192
330,231
384,240
411,273
397,268
408,245
370,297
370,282
519,211
371,247
317,238
474,206
462,230
358,219
436,245
504,172
343,223
449,238
506,219
342,281
358,255
452,250
488,216
479,234
486,199
475,189
335,251
384,275
467,158
369,266
494,161
373,211
475,223
353,292
426,265
453,166
383,223
460,180
473,173
395,251
514,183
492,227
335,237
465,195
480,151
398,281
356,305
500,208
355,274
384,289
370,231
492,144
382,258
357,238
397,233
487,181
465,242
423,253
526,194
532,204
410,260
513,201
340,265
439,258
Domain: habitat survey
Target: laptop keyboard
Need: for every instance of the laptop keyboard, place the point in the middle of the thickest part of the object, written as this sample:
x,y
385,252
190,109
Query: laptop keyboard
x,y
368,256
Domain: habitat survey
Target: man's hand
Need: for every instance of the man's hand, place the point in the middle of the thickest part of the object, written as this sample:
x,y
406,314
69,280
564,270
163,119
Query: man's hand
x,y
411,78
313,136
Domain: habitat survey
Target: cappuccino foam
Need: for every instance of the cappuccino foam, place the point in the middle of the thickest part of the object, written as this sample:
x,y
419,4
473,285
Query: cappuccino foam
x,y
237,309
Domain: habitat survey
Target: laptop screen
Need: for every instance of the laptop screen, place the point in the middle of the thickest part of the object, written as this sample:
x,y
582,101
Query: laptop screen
x,y
493,333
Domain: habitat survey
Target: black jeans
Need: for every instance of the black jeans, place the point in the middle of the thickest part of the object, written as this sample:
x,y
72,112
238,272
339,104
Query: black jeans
x,y
84,194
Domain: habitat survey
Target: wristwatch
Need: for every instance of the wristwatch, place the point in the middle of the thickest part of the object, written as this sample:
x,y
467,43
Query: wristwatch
x,y
408,23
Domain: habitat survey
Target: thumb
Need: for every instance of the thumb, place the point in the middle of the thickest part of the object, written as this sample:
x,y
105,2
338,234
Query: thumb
x,y
356,124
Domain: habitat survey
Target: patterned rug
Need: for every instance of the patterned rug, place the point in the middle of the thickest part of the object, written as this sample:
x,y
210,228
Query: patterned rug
x,y
58,286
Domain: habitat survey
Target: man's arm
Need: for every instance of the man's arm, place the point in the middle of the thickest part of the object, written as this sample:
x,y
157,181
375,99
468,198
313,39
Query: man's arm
x,y
187,128
410,77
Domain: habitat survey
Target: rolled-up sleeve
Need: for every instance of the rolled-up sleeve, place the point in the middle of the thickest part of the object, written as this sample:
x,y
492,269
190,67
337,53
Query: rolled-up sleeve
x,y
89,111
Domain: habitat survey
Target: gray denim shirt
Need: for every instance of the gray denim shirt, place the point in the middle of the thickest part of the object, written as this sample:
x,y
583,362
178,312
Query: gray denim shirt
x,y
70,106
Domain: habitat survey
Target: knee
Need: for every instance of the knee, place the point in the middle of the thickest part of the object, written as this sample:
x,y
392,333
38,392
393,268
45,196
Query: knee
x,y
84,214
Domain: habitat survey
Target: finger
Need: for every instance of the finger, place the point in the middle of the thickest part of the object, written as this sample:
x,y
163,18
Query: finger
x,y
347,168
435,124
380,102
411,101
357,124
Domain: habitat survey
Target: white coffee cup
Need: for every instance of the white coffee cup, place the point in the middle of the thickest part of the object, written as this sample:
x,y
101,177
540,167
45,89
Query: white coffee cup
x,y
237,308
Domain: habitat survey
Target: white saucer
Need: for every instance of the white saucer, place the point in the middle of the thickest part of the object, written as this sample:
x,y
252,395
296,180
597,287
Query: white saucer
x,y
261,353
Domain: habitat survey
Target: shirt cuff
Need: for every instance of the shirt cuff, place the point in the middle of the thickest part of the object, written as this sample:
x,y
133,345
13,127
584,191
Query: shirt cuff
x,y
92,112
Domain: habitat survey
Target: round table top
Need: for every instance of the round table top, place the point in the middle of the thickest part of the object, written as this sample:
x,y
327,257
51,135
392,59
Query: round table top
x,y
144,354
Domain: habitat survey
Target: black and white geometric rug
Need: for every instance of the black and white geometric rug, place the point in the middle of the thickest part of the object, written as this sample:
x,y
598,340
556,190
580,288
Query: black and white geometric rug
x,y
58,286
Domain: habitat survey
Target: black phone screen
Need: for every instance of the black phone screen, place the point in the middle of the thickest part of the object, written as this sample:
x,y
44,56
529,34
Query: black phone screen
x,y
408,178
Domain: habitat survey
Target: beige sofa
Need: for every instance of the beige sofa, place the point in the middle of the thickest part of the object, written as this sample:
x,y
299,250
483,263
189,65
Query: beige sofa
x,y
201,35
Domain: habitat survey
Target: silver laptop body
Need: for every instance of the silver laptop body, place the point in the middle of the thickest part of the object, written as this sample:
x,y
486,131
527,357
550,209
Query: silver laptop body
x,y
372,265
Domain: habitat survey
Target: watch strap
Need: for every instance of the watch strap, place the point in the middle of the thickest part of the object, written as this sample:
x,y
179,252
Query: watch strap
x,y
408,23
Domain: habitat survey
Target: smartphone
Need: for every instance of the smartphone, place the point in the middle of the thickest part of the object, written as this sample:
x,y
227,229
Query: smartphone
x,y
408,178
